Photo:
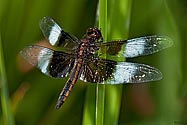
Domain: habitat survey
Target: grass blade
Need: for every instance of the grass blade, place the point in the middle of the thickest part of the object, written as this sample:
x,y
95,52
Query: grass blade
x,y
118,28
100,90
7,115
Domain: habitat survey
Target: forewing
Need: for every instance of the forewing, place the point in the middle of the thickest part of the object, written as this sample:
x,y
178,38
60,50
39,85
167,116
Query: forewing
x,y
52,63
111,72
55,35
141,46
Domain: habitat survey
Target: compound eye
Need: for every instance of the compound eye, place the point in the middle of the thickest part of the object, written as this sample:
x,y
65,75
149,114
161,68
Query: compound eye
x,y
90,32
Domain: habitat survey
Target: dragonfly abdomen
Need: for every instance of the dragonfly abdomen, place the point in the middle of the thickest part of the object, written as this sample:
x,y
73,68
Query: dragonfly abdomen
x,y
69,84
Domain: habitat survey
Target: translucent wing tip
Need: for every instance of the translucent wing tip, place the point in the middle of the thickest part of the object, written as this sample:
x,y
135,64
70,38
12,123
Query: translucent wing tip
x,y
164,41
34,53
145,73
156,74
45,19
26,53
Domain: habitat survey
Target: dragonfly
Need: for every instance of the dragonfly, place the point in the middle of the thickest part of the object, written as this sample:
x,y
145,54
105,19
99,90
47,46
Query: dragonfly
x,y
91,59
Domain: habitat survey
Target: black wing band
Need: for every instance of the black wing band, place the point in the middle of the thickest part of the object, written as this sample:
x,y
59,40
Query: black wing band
x,y
111,72
117,50
97,71
52,63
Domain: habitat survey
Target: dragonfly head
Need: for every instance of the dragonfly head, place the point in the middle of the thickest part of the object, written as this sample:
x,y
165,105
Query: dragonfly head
x,y
94,33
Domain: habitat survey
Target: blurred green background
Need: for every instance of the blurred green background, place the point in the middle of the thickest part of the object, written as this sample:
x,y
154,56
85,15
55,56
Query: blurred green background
x,y
33,95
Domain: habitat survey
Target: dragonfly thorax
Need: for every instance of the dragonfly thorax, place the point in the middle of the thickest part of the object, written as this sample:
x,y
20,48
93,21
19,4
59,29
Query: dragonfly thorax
x,y
86,50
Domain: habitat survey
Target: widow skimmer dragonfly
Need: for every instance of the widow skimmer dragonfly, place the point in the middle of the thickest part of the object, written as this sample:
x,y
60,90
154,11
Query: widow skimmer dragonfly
x,y
92,60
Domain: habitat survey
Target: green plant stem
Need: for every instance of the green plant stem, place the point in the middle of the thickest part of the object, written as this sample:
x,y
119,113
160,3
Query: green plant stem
x,y
7,115
89,106
118,28
103,18
100,90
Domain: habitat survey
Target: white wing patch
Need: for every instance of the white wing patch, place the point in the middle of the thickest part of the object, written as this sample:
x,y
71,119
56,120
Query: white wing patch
x,y
126,72
51,30
134,48
44,58
146,45
55,34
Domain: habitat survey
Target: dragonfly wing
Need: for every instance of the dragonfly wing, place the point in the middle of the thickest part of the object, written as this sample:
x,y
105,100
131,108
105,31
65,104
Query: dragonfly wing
x,y
55,35
117,50
52,63
111,72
